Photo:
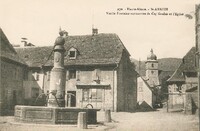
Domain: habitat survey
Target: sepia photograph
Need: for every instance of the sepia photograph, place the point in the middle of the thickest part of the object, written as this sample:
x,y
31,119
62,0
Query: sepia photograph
x,y
99,65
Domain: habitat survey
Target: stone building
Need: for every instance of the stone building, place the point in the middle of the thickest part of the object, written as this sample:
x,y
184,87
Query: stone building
x,y
183,82
12,75
148,85
165,69
99,73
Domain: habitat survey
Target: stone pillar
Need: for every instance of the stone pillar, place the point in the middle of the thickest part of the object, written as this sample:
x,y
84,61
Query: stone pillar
x,y
188,104
58,77
82,120
107,116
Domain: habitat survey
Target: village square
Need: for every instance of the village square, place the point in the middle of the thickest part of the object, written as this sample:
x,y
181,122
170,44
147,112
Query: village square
x,y
92,82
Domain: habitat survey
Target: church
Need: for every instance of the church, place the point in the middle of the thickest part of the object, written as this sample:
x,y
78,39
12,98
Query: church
x,y
148,86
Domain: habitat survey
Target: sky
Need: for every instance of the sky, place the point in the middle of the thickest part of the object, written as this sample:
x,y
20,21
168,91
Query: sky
x,y
39,21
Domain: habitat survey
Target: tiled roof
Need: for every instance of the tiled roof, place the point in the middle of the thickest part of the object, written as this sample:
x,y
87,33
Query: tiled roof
x,y
187,65
92,50
35,56
193,89
7,50
166,67
163,75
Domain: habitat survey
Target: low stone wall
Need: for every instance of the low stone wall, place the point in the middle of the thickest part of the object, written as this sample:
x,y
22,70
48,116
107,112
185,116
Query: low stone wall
x,y
53,115
191,103
176,101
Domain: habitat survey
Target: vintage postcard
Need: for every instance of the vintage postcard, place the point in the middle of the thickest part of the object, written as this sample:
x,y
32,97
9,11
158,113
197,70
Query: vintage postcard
x,y
99,65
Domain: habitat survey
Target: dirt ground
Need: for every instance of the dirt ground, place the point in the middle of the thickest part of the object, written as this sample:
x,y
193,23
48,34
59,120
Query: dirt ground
x,y
121,121
154,121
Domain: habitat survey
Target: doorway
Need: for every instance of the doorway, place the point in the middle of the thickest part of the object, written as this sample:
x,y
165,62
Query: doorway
x,y
71,98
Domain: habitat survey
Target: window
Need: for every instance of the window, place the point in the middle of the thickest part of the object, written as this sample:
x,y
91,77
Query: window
x,y
34,92
152,65
94,95
152,72
97,95
72,53
48,75
85,94
72,74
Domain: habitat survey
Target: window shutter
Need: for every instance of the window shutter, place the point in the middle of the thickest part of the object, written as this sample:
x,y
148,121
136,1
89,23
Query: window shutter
x,y
78,75
98,74
67,75
48,75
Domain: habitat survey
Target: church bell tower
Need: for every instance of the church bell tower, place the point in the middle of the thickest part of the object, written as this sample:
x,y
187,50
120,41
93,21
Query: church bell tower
x,y
152,69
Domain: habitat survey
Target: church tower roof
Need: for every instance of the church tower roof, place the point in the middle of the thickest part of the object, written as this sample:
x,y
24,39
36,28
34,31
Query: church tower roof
x,y
151,56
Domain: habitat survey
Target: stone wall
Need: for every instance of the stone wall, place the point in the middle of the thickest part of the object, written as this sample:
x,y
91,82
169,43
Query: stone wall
x,y
191,103
176,101
126,85
11,87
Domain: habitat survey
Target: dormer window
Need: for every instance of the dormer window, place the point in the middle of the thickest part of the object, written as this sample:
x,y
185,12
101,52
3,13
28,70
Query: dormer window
x,y
72,53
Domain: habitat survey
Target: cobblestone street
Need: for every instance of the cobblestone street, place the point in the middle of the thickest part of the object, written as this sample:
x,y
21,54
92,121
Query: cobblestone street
x,y
140,121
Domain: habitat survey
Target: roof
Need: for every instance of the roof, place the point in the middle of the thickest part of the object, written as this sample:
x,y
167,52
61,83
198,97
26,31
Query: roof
x,y
144,79
187,65
151,56
97,49
193,89
7,50
166,66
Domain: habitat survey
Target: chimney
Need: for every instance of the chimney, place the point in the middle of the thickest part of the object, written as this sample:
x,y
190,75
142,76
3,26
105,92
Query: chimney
x,y
94,31
65,33
24,41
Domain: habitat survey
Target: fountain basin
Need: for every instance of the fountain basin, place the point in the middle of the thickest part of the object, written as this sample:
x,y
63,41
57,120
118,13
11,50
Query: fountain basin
x,y
53,115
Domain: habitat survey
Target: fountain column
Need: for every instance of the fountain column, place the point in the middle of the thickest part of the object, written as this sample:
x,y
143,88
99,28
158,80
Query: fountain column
x,y
58,75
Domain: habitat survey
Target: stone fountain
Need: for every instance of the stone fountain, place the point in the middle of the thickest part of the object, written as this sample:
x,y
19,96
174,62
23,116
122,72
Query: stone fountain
x,y
55,112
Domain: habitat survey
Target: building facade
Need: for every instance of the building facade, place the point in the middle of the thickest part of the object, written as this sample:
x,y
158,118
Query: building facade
x,y
99,73
182,81
12,76
148,86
